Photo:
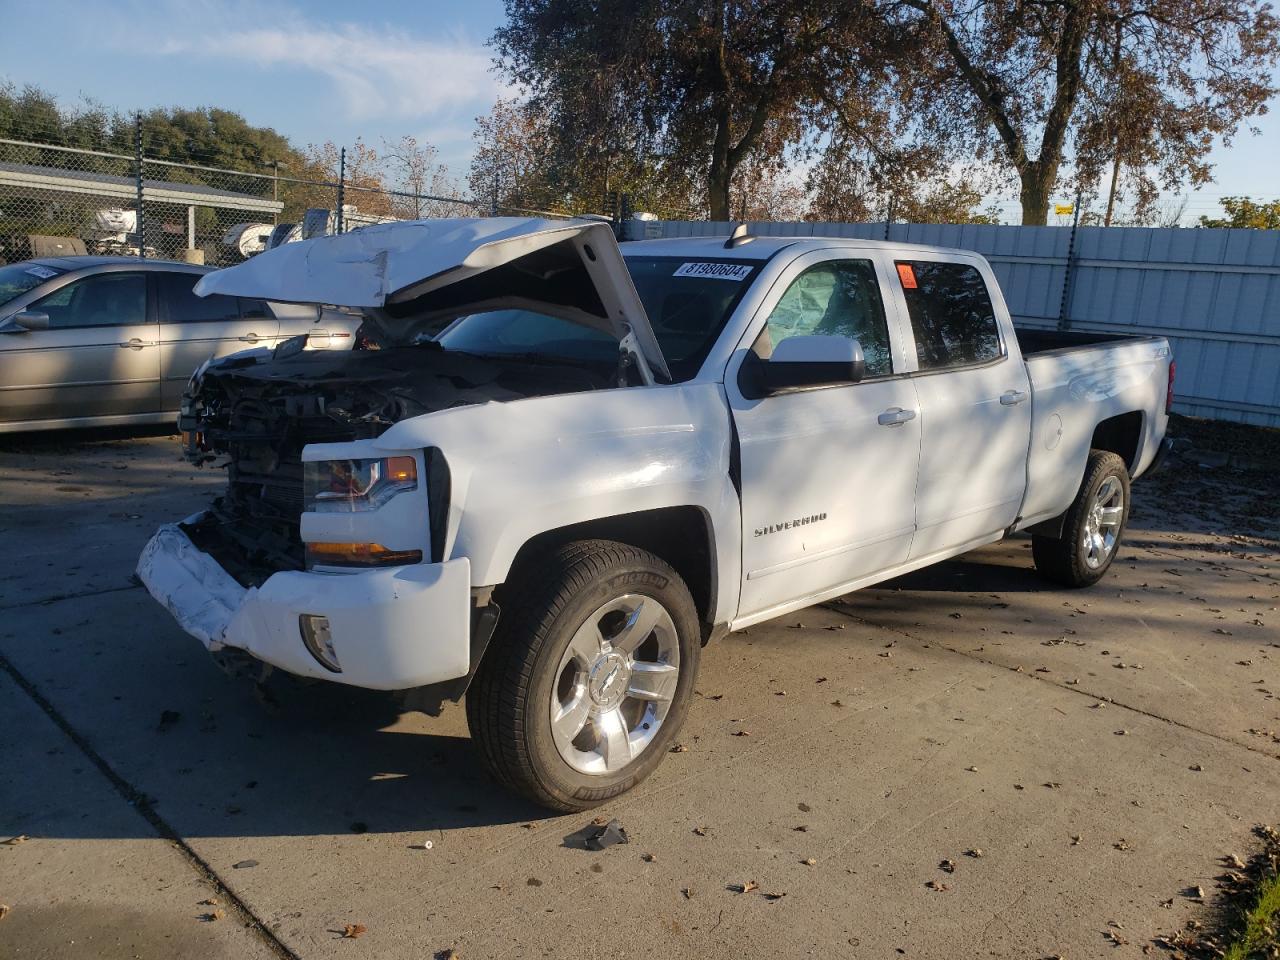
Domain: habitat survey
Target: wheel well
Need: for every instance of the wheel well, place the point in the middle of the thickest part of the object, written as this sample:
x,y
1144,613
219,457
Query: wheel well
x,y
1121,435
679,535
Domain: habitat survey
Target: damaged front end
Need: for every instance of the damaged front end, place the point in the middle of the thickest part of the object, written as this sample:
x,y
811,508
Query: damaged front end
x,y
253,416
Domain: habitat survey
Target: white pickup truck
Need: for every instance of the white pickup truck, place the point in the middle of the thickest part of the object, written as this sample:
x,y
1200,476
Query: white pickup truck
x,y
612,455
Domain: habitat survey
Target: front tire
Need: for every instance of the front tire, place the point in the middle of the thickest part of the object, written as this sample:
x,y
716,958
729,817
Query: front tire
x,y
1093,526
588,675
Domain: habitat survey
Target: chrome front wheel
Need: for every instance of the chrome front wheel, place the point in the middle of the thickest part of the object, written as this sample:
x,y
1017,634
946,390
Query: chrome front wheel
x,y
615,684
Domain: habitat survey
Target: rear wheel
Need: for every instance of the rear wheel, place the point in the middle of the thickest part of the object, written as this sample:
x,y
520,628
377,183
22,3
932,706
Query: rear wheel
x,y
588,676
1093,527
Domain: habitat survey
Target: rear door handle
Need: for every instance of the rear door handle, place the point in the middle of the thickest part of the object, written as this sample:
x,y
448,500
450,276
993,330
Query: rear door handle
x,y
136,344
895,417
1012,397
250,338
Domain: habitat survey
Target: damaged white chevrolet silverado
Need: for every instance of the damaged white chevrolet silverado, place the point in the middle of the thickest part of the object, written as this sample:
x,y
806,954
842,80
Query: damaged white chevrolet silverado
x,y
609,457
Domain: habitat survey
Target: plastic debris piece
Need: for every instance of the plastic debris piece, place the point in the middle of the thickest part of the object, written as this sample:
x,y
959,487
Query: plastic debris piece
x,y
611,833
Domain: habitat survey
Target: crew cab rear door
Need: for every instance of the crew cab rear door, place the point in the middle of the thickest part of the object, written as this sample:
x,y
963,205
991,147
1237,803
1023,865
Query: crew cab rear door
x,y
413,277
975,400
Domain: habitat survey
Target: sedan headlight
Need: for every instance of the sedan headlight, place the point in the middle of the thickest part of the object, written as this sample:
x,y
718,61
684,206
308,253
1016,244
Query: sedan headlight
x,y
355,486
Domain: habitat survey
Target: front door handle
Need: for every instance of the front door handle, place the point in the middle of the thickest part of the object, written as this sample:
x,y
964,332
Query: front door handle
x,y
895,417
1012,397
250,338
136,344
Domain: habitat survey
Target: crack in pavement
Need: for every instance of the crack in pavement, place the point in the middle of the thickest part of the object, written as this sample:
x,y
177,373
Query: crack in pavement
x,y
59,597
834,606
139,801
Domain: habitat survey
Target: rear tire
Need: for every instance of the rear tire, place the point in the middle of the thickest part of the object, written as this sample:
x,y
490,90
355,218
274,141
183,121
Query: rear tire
x,y
1092,529
588,676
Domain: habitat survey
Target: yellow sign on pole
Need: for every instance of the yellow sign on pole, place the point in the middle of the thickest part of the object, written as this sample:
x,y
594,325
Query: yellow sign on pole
x,y
1064,209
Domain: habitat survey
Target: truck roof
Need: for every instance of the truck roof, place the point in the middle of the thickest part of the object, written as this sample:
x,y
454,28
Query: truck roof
x,y
761,247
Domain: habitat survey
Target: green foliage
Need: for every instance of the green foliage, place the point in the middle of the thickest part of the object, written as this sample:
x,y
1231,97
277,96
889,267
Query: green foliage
x,y
1246,212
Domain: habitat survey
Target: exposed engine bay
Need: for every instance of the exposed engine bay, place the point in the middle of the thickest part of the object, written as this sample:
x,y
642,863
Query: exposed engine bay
x,y
253,414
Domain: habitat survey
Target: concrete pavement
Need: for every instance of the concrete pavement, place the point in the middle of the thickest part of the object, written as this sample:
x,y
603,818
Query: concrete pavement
x,y
1102,749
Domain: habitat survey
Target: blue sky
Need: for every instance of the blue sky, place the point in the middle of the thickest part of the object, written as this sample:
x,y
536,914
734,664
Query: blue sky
x,y
328,70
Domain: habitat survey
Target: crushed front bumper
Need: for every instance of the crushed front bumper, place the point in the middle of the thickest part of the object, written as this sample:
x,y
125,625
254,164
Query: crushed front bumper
x,y
392,629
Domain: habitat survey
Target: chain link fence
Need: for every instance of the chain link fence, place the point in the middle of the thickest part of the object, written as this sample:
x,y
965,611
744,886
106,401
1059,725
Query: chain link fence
x,y
60,200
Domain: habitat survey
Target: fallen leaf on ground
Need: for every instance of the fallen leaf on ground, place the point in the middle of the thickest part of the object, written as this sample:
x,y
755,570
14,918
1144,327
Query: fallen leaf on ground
x,y
938,885
1196,767
836,703
948,865
808,861
211,902
353,930
1232,860
244,864
974,852
688,892
1122,733
1053,784
773,897
679,748
4,910
745,887
648,857
213,915
742,733
803,807
701,831
1075,840
1122,844
971,769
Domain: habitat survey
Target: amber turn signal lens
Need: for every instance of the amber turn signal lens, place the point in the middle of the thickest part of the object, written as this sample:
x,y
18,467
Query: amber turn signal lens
x,y
358,555
402,469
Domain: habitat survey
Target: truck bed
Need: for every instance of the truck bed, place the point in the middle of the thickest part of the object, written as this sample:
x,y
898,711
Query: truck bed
x,y
1035,341
1080,379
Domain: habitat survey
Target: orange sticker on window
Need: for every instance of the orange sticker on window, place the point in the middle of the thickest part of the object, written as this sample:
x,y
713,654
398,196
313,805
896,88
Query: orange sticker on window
x,y
907,275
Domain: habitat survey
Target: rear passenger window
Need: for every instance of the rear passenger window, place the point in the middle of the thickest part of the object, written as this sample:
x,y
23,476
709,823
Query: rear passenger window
x,y
840,298
183,306
951,314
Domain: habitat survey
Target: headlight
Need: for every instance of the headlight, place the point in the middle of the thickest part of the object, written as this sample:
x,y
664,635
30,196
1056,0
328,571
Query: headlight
x,y
354,486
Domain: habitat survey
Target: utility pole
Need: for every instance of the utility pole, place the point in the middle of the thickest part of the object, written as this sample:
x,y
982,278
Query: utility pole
x,y
137,154
342,177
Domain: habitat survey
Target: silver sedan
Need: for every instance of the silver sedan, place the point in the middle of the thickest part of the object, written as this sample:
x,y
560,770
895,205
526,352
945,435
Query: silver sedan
x,y
91,341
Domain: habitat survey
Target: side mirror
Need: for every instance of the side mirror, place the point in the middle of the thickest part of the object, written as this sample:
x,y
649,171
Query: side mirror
x,y
812,361
25,320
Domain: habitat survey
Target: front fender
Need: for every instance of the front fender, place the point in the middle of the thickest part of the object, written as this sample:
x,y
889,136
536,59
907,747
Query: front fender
x,y
523,468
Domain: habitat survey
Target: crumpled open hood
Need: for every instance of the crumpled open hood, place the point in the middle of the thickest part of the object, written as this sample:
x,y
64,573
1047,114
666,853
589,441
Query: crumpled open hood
x,y
415,274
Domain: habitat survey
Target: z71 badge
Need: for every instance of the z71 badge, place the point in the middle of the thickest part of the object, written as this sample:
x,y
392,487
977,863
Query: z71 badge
x,y
789,524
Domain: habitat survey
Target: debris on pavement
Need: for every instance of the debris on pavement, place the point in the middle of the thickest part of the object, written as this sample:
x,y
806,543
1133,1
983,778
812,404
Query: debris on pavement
x,y
938,886
244,864
701,831
606,835
975,852
354,930
745,887
212,916
648,857
679,748
4,910
948,865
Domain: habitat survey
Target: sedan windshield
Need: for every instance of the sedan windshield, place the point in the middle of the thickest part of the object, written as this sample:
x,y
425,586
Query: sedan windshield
x,y
17,278
688,302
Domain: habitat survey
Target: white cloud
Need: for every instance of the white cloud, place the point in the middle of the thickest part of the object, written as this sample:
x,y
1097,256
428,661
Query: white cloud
x,y
372,72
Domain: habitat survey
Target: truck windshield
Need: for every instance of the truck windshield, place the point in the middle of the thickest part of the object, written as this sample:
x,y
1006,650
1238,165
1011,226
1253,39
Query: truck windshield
x,y
688,301
17,278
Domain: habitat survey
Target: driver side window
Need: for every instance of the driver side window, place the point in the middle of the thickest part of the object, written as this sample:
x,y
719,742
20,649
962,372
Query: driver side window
x,y
838,298
101,300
